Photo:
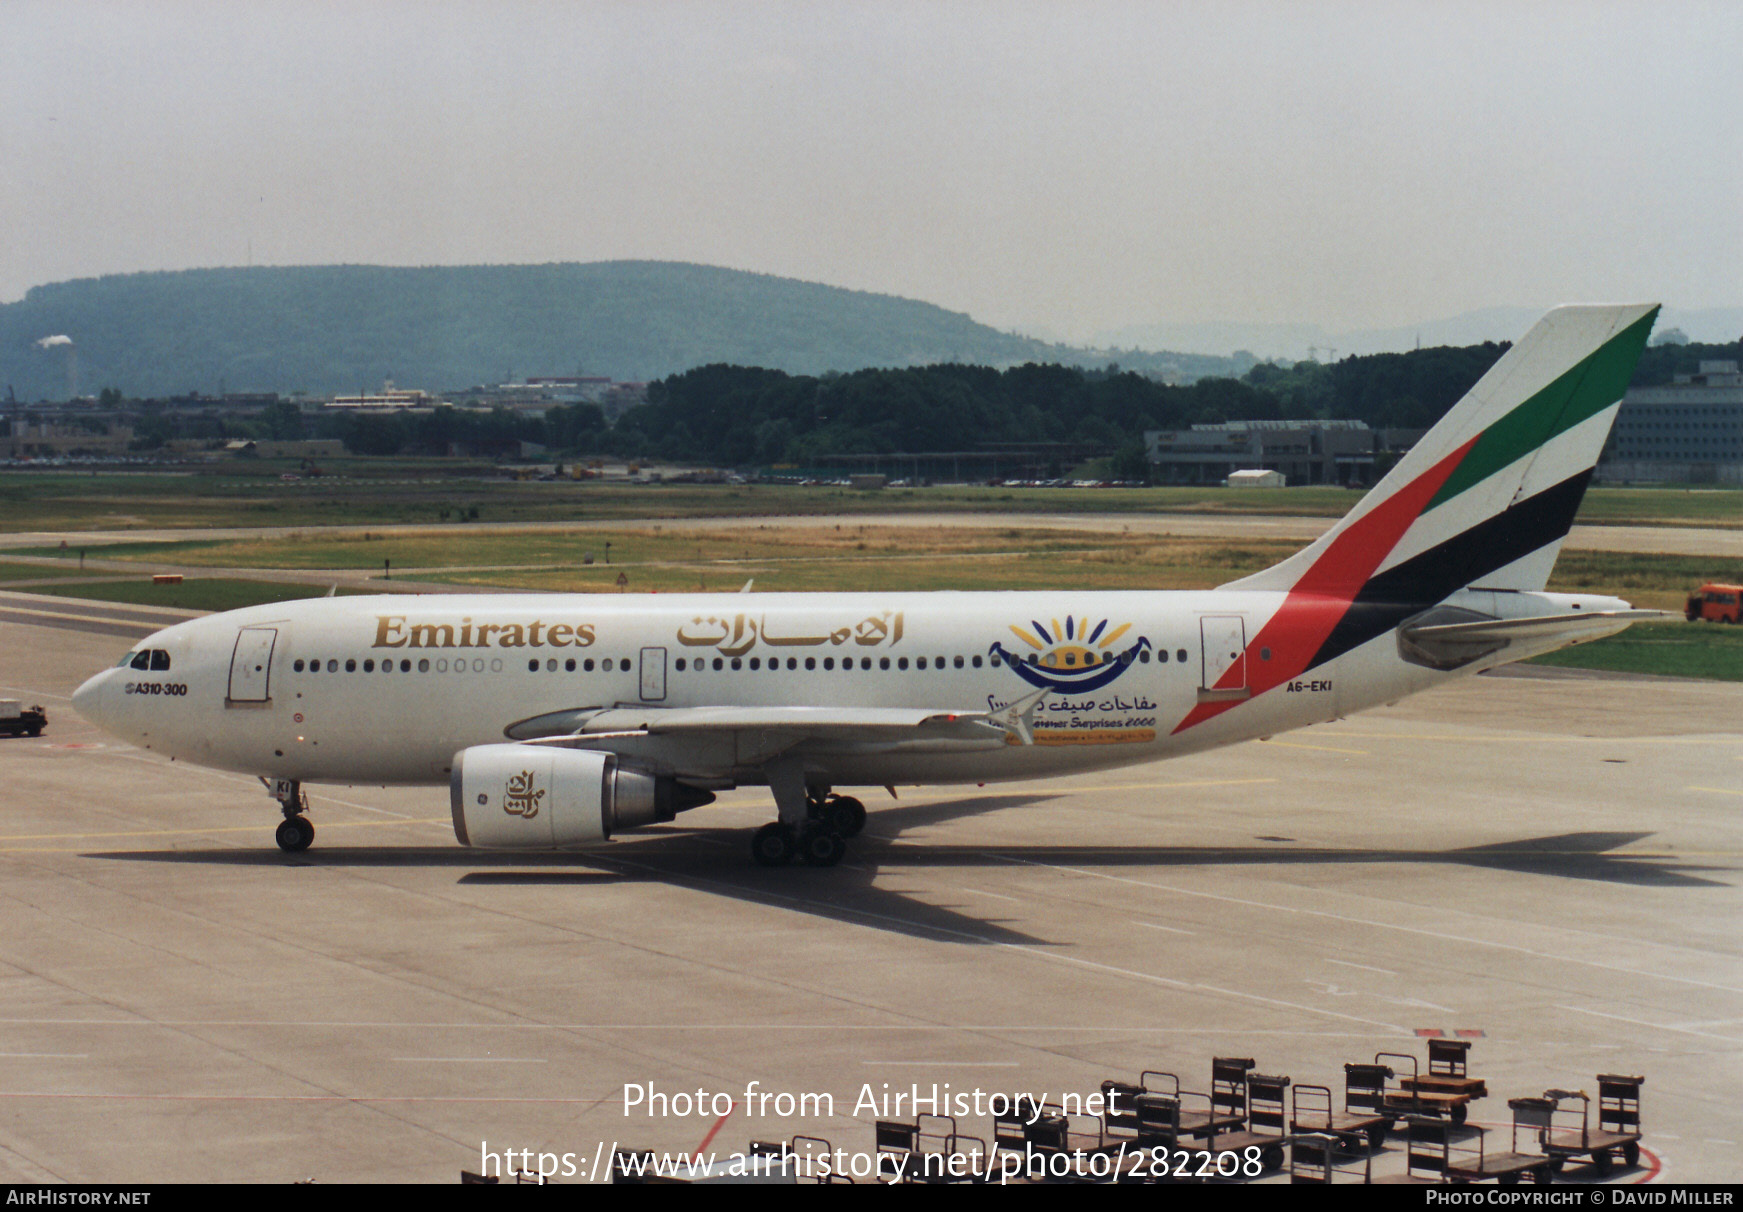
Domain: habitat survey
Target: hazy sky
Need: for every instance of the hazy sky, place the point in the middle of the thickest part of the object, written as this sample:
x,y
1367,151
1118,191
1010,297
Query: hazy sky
x,y
1064,167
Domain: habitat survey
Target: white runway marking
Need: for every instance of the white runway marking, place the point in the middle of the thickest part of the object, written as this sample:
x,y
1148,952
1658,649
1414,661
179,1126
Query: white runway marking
x,y
947,1064
26,692
1052,958
1379,925
1363,967
1729,1039
1010,1028
45,1055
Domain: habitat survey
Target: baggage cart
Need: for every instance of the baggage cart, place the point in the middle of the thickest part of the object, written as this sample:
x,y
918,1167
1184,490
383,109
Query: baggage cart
x,y
1320,1158
1474,1165
1617,1133
1408,1095
1226,1104
1363,1116
1267,1126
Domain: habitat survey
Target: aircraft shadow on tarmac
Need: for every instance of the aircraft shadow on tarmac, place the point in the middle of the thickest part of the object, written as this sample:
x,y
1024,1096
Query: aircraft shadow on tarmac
x,y
866,889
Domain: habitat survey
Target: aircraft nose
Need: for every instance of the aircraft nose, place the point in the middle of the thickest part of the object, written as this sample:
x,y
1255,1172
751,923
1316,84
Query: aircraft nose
x,y
90,700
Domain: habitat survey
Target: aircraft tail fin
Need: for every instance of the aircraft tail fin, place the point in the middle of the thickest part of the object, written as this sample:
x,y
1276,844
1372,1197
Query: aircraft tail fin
x,y
1486,498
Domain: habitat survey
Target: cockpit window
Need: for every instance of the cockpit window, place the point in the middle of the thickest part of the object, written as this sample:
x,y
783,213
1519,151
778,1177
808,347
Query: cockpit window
x,y
141,660
126,660
159,659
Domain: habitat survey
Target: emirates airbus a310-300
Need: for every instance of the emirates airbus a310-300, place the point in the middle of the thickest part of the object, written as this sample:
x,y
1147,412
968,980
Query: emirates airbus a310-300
x,y
560,720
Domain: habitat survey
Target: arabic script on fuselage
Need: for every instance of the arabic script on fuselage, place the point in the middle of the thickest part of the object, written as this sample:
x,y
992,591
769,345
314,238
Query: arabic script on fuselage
x,y
738,634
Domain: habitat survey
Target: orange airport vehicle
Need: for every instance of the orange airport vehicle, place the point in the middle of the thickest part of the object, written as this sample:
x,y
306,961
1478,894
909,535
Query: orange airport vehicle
x,y
1715,603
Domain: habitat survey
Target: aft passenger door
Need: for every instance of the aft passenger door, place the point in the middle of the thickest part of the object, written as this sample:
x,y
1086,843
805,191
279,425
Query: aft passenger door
x,y
1223,651
251,668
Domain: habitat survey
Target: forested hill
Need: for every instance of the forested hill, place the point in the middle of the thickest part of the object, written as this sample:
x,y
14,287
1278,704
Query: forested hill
x,y
328,329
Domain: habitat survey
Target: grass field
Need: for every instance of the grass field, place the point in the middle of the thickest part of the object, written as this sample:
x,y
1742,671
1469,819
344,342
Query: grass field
x,y
847,556
883,559
409,491
559,551
1661,582
17,571
1689,650
825,557
213,595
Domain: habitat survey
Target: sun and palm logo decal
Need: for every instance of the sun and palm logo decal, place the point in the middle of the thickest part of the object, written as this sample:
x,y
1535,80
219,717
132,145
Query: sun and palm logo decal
x,y
1073,655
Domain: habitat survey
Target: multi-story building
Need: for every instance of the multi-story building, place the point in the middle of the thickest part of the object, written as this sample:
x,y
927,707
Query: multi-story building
x,y
1688,432
1307,452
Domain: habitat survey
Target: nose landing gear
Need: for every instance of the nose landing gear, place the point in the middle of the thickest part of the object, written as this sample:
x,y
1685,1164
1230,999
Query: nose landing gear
x,y
295,833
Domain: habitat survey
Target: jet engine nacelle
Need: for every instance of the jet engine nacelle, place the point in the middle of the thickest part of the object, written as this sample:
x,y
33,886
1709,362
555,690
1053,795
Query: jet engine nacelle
x,y
537,797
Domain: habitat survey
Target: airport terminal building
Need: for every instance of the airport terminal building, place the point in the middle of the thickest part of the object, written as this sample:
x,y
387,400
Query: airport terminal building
x,y
1306,452
1689,432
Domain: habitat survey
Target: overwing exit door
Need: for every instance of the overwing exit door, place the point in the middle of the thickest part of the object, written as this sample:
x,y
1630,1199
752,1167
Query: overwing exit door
x,y
653,675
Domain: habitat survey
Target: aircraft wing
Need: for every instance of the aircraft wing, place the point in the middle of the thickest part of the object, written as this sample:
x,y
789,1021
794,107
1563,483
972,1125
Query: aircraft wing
x,y
713,741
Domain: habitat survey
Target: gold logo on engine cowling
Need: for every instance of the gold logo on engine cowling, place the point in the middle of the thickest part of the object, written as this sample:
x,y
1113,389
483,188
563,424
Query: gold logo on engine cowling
x,y
520,798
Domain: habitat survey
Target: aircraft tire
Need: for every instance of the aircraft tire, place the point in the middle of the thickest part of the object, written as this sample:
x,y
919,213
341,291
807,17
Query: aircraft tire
x,y
822,847
845,815
773,845
295,834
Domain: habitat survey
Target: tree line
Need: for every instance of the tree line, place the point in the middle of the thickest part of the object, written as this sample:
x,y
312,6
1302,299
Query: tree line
x,y
732,415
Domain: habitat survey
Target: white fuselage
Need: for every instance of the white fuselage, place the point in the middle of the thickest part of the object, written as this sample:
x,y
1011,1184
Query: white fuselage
x,y
388,689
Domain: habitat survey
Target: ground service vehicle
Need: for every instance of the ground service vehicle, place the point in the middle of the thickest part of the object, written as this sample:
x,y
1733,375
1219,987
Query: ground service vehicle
x,y
1714,603
21,721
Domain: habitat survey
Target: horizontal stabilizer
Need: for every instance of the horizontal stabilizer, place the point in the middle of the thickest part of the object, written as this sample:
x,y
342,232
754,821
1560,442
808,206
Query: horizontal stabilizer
x,y
1541,627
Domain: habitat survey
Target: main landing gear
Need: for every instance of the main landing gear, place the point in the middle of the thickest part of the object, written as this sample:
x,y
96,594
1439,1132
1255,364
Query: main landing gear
x,y
295,833
814,826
